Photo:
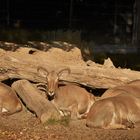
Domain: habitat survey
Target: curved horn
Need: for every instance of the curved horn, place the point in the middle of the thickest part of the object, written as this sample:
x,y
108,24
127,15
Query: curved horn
x,y
64,70
42,71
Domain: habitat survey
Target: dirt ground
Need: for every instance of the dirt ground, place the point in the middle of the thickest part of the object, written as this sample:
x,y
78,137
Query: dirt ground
x,y
25,126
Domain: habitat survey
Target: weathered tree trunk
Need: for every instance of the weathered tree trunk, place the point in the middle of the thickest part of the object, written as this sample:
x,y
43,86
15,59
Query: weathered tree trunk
x,y
34,101
24,66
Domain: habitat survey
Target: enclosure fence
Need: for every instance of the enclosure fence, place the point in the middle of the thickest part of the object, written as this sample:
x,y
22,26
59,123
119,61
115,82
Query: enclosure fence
x,y
94,20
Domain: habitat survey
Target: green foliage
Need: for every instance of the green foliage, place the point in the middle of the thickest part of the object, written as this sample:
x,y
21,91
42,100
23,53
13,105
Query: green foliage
x,y
64,121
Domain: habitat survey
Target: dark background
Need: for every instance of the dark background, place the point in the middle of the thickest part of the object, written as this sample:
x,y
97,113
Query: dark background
x,y
54,14
93,18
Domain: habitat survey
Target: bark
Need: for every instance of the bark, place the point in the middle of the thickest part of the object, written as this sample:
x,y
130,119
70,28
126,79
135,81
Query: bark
x,y
34,101
24,66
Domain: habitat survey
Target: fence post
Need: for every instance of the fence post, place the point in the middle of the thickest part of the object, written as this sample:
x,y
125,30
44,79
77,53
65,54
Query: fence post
x,y
8,12
70,13
136,25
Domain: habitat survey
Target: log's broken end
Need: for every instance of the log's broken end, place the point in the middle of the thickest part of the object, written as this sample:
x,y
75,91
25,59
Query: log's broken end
x,y
35,102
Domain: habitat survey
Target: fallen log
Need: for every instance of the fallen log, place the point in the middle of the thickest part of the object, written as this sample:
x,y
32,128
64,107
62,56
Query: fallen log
x,y
22,64
34,101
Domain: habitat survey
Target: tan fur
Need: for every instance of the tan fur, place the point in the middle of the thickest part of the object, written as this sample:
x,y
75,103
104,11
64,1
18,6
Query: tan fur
x,y
118,112
132,88
69,99
119,108
9,102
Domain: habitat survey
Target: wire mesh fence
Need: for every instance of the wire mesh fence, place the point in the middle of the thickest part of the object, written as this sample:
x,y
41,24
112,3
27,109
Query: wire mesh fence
x,y
101,21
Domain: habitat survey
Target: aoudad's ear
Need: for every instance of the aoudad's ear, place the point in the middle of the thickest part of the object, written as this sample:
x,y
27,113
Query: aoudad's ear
x,y
42,71
64,72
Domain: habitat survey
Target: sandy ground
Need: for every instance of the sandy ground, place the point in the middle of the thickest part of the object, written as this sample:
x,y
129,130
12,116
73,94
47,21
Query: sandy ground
x,y
25,126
